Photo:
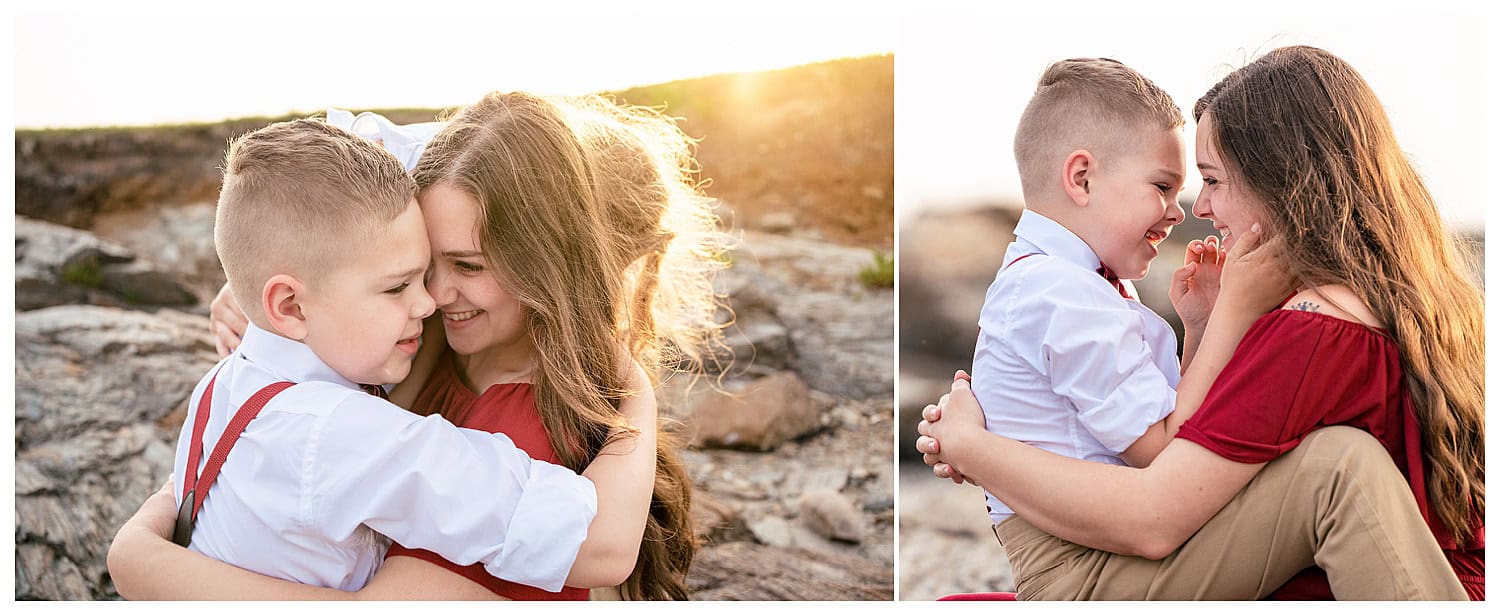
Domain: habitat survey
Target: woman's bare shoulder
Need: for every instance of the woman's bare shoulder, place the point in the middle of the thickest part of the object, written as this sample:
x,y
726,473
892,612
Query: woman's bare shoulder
x,y
1336,301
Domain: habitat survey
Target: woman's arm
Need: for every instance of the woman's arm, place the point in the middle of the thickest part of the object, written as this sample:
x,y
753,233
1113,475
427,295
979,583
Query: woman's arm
x,y
1225,329
624,474
1148,511
145,565
1253,282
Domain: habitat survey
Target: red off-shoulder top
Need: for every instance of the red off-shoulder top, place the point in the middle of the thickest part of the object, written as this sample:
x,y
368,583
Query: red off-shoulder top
x,y
1297,371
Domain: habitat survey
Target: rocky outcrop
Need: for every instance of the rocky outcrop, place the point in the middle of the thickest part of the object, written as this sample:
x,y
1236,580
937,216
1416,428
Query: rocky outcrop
x,y
838,331
759,415
57,265
100,393
745,571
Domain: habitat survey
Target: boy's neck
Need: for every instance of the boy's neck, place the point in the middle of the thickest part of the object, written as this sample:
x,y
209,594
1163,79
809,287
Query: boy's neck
x,y
1070,217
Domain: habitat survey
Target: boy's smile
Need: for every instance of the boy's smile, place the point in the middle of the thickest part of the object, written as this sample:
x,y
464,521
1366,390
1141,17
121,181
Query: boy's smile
x,y
1133,202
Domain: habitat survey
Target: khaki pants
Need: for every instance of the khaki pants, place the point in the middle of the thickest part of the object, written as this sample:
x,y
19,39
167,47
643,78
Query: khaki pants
x,y
1336,501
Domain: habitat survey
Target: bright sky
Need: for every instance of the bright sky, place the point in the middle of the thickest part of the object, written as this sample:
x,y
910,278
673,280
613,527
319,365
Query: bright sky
x,y
962,83
130,70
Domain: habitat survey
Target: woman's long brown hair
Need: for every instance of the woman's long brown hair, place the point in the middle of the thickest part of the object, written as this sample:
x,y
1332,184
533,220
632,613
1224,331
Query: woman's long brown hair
x,y
1305,133
590,220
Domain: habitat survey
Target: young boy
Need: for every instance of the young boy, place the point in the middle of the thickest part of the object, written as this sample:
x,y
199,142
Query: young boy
x,y
1067,359
320,235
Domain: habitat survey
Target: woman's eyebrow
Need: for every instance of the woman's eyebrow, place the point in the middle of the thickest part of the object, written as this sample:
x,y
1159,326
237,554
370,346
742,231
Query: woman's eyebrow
x,y
461,254
1207,166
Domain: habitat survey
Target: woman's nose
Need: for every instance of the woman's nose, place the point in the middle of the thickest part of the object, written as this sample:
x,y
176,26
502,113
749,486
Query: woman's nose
x,y
439,286
1200,205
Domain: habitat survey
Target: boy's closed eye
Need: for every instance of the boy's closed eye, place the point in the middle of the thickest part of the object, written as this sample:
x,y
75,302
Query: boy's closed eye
x,y
398,289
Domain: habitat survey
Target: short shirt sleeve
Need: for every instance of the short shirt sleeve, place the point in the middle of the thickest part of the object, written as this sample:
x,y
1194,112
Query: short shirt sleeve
x,y
1292,373
1094,352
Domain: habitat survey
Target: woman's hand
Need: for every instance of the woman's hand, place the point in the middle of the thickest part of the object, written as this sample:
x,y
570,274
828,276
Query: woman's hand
x,y
1195,285
966,415
153,523
226,322
1255,277
158,515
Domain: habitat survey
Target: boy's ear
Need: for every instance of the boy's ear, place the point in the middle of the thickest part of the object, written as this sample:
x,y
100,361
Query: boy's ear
x,y
281,302
1078,167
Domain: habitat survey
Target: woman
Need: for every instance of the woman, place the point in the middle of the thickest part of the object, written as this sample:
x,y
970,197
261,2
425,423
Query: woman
x,y
567,245
1382,336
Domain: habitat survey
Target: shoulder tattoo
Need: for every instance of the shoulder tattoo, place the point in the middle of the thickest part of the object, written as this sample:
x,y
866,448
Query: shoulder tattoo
x,y
1305,306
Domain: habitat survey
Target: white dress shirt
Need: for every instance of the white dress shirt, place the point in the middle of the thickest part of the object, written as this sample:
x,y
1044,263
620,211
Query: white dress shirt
x,y
1063,361
326,476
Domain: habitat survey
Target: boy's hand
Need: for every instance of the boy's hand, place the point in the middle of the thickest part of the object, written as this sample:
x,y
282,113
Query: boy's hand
x,y
226,322
966,415
1195,285
1255,277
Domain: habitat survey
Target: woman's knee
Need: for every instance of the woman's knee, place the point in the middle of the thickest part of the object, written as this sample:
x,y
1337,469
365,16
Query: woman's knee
x,y
1347,450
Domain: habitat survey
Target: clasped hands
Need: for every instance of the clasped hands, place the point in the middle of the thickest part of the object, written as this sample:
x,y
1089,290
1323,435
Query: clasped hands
x,y
962,413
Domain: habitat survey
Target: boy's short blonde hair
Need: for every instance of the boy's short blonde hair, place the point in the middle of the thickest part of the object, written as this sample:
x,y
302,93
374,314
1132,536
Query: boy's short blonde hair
x,y
297,198
1095,104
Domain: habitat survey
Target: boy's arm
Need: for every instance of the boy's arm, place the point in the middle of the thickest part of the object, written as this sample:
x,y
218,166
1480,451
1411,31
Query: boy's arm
x,y
1225,329
1253,283
468,496
1097,359
624,474
147,566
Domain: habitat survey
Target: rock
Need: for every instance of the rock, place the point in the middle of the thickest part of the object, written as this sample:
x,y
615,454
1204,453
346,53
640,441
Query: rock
x,y
177,238
825,479
758,344
839,333
750,572
57,265
947,546
773,531
758,416
831,516
140,282
98,392
715,522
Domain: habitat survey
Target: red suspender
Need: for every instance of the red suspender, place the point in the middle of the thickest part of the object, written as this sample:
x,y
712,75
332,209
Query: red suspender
x,y
195,488
1017,259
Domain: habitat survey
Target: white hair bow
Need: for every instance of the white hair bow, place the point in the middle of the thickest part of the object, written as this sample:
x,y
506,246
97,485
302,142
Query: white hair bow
x,y
405,141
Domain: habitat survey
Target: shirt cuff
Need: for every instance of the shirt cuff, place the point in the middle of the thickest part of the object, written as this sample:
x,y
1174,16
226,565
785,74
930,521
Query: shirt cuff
x,y
550,524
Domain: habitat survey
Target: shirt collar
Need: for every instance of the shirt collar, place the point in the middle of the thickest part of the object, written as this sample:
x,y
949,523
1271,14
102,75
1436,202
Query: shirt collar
x,y
286,358
1055,240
